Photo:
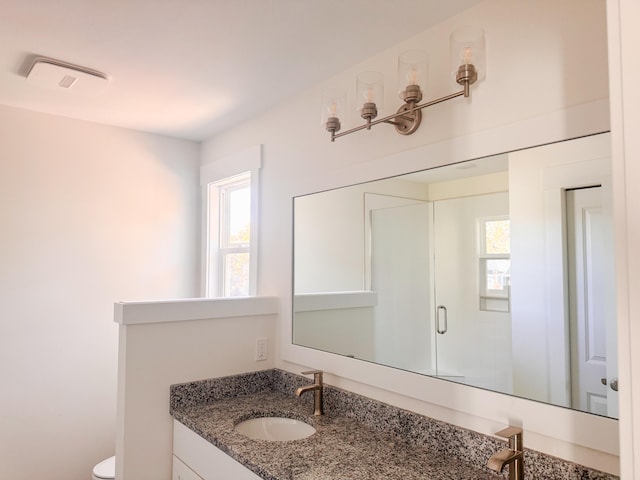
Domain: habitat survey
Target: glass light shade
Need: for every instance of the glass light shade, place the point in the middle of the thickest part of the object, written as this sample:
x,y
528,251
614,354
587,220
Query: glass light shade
x,y
467,48
369,89
334,103
413,69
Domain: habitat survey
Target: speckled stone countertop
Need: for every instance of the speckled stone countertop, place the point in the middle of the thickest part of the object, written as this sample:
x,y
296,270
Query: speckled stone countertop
x,y
357,437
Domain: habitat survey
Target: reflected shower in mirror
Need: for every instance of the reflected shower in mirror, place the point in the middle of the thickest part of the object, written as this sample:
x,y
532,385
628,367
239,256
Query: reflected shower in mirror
x,y
496,273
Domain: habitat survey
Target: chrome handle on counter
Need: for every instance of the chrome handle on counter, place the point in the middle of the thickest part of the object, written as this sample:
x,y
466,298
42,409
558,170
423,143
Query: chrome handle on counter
x,y
441,331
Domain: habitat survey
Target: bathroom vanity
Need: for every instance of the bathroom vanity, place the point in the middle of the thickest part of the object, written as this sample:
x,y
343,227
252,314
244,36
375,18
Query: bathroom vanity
x,y
356,438
195,458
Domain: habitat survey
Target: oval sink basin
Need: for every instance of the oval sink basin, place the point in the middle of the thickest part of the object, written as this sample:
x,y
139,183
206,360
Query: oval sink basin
x,y
275,429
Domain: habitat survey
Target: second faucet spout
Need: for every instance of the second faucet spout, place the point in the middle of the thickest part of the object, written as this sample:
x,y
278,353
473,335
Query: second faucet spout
x,y
501,459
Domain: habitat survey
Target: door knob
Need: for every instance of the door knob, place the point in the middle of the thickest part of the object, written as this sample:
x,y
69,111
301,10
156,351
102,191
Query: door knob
x,y
613,384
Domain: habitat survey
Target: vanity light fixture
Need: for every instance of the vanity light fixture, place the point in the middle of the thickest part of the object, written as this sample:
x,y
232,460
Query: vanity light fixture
x,y
468,63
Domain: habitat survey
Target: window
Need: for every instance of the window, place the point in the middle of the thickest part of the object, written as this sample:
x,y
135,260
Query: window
x,y
230,201
230,222
495,263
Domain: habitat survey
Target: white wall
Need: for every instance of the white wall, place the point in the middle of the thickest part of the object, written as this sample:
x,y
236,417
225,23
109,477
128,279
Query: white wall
x,y
536,57
344,331
162,344
339,255
89,214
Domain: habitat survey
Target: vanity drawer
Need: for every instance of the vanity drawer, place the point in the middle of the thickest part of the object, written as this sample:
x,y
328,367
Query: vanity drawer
x,y
207,461
180,471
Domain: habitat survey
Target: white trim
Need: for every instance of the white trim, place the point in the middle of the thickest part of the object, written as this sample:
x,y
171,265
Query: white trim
x,y
557,294
624,73
135,313
245,161
255,223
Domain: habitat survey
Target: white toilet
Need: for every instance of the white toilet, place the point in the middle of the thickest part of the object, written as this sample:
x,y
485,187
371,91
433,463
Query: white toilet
x,y
105,470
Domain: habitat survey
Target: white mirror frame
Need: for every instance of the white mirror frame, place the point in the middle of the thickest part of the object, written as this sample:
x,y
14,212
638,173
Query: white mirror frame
x,y
543,422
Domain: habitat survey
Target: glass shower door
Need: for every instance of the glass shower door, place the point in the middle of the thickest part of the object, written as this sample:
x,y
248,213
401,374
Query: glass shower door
x,y
473,327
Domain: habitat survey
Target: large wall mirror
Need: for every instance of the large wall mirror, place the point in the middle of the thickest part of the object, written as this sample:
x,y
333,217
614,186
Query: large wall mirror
x,y
496,273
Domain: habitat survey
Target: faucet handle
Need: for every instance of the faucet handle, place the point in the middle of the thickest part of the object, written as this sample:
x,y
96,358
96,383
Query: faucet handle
x,y
509,432
317,375
514,435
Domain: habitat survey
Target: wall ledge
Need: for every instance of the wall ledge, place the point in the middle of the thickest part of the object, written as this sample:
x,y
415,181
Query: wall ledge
x,y
307,302
135,313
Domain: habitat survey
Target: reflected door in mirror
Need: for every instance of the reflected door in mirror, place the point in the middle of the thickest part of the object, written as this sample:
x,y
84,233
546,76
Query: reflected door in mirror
x,y
590,291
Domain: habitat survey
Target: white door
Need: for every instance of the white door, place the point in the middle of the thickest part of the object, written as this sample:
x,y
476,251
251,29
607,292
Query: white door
x,y
591,317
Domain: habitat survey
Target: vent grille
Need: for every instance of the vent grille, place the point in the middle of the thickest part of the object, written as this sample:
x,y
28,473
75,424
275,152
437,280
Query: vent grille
x,y
66,77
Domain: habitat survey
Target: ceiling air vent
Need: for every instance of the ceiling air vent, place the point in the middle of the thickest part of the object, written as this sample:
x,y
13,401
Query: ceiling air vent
x,y
57,75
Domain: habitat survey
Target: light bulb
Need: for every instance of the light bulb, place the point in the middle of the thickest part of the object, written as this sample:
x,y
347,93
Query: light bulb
x,y
412,76
369,89
466,55
369,94
333,102
467,49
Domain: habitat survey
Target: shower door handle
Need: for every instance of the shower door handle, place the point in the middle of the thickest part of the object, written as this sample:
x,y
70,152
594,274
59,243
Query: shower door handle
x,y
441,313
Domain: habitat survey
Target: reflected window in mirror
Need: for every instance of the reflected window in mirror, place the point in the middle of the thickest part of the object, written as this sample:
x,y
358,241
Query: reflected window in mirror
x,y
494,263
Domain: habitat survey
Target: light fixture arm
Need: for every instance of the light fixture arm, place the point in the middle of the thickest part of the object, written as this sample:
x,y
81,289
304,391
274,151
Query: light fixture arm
x,y
467,56
409,114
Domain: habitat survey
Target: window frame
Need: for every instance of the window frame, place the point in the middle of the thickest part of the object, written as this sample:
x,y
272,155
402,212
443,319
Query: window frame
x,y
221,173
219,196
489,299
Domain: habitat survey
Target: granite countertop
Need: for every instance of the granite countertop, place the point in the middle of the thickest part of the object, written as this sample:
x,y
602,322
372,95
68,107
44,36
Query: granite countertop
x,y
341,448
358,438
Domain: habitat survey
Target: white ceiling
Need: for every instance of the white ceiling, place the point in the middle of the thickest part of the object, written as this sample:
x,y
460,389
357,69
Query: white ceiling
x,y
191,68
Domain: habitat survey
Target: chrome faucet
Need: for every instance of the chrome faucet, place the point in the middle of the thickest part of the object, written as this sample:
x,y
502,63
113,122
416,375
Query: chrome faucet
x,y
316,388
512,456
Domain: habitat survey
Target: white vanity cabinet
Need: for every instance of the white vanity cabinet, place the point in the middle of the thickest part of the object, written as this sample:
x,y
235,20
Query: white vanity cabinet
x,y
196,459
180,471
